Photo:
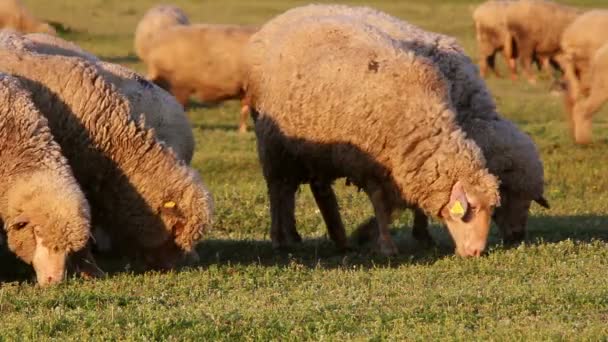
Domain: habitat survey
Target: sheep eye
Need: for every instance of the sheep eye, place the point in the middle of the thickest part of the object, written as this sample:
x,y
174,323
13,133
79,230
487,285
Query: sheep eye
x,y
19,225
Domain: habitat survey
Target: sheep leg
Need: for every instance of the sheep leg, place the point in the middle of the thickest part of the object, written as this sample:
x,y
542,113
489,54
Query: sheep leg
x,y
583,114
383,217
244,117
492,63
526,53
328,205
420,229
182,94
282,213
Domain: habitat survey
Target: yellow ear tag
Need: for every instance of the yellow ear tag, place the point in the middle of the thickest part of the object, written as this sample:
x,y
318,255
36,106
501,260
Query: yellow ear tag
x,y
169,204
457,209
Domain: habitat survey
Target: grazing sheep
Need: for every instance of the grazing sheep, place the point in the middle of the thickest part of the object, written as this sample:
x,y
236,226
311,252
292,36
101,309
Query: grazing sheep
x,y
160,110
155,20
537,27
580,43
594,95
333,97
46,216
510,154
14,15
150,203
493,36
202,59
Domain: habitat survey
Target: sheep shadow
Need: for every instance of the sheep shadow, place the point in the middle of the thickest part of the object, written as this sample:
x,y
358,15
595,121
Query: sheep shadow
x,y
128,59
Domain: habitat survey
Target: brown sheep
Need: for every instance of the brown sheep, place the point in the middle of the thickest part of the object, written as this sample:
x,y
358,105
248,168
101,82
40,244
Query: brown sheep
x,y
153,206
14,15
537,27
594,93
46,216
493,36
580,43
371,112
156,19
204,60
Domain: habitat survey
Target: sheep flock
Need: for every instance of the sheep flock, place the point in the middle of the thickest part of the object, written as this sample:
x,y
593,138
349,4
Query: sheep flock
x,y
97,158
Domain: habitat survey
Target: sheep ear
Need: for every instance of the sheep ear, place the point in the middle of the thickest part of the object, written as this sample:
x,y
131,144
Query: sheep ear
x,y
543,202
170,207
458,204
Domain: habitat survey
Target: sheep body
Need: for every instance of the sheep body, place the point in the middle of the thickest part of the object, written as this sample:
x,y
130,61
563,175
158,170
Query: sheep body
x,y
301,68
492,36
149,202
537,27
511,155
155,20
203,59
14,15
45,213
159,109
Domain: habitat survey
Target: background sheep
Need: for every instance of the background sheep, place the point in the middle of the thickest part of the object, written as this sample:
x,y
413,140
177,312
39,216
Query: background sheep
x,y
14,15
45,214
580,43
511,155
203,59
149,202
537,27
156,19
595,90
377,140
493,36
159,109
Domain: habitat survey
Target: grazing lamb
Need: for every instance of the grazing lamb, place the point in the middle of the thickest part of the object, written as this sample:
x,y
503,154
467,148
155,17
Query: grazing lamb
x,y
537,27
151,204
160,110
202,59
333,97
511,156
155,20
14,15
581,41
46,216
493,36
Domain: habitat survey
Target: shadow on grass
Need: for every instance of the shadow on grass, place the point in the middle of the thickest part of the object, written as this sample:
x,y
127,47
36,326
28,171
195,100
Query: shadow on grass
x,y
130,58
321,252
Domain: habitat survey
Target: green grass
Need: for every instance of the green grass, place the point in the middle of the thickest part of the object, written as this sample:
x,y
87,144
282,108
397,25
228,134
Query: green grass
x,y
553,288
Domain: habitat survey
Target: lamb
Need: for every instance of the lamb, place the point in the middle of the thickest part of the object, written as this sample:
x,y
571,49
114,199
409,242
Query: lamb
x,y
580,42
202,59
537,27
376,140
493,36
153,206
14,15
155,20
46,216
510,154
159,109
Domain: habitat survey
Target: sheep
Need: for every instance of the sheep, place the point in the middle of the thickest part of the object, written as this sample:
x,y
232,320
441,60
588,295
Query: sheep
x,y
319,121
151,204
493,36
580,43
14,15
201,59
156,19
537,27
46,216
159,109
510,154
595,90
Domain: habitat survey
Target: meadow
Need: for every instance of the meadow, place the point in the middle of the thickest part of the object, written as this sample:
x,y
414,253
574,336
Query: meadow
x,y
553,287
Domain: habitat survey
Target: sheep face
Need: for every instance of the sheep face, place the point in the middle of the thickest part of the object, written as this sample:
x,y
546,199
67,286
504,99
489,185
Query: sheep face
x,y
26,238
468,220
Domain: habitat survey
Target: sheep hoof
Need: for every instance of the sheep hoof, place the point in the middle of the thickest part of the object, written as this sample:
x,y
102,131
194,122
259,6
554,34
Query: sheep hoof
x,y
242,129
388,248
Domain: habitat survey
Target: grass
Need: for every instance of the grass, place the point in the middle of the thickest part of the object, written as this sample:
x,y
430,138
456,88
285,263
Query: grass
x,y
552,288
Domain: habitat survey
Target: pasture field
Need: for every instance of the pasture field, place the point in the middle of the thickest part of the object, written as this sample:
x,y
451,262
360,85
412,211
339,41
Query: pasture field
x,y
554,287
